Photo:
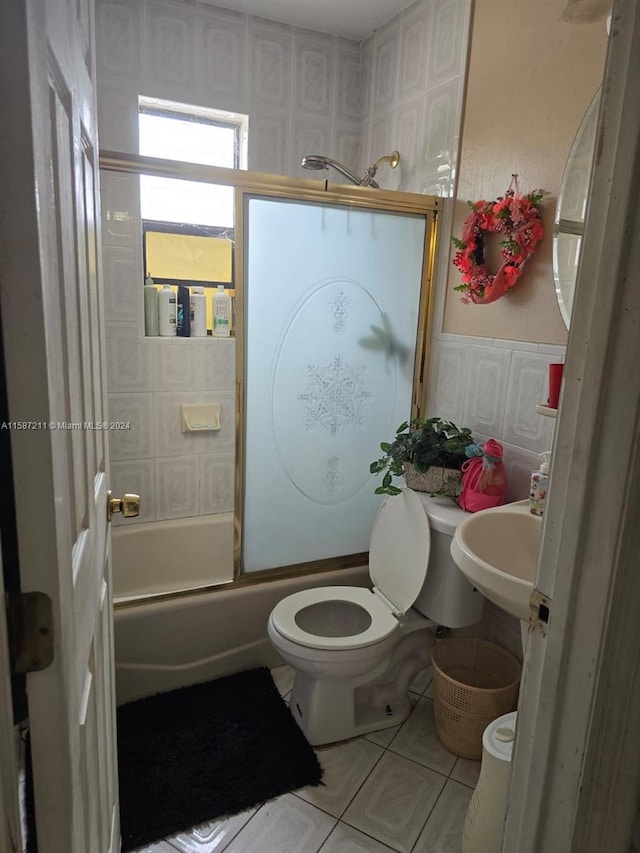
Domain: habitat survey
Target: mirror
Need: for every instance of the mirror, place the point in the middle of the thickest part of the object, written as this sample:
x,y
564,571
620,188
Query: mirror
x,y
570,211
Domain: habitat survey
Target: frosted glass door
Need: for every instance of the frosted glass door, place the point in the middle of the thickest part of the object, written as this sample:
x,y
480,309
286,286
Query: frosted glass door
x,y
331,305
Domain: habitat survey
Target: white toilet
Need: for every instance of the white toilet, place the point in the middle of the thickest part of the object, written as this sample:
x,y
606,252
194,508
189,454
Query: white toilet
x,y
355,650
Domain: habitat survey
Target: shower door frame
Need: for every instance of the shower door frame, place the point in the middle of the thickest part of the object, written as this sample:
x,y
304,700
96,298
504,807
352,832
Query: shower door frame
x,y
248,185
336,195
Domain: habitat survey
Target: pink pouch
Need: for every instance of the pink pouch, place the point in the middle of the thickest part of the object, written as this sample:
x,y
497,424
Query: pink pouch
x,y
484,481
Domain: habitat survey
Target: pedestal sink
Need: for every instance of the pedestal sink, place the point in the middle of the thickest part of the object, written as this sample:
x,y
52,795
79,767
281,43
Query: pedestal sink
x,y
497,550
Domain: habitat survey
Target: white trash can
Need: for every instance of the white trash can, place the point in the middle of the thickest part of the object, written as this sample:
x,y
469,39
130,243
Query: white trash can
x,y
488,806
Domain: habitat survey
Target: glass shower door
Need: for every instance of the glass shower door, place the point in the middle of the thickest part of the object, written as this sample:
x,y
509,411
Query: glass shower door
x,y
332,308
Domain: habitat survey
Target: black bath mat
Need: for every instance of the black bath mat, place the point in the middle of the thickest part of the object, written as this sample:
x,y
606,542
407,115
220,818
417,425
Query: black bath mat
x,y
207,751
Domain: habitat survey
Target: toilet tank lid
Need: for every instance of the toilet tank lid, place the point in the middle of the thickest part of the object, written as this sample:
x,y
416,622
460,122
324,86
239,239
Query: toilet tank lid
x,y
444,515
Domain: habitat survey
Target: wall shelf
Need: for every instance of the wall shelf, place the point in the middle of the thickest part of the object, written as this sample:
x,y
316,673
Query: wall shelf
x,y
546,411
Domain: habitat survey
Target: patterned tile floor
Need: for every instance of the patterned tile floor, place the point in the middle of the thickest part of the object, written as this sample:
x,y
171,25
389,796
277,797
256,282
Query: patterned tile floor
x,y
395,790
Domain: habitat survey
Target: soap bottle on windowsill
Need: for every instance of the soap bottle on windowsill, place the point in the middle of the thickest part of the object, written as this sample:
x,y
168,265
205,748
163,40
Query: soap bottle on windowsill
x,y
539,485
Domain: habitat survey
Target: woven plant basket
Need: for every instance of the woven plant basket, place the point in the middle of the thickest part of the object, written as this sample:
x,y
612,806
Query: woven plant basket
x,y
474,683
434,479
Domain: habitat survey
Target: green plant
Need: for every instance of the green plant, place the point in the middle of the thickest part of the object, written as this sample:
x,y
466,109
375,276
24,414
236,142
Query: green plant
x,y
423,444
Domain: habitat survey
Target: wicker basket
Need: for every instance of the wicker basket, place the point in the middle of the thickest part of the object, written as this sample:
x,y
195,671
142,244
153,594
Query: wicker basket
x,y
474,683
433,480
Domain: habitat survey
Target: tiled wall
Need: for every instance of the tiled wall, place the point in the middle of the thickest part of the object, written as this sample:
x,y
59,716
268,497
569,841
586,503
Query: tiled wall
x,y
176,474
413,72
492,386
301,89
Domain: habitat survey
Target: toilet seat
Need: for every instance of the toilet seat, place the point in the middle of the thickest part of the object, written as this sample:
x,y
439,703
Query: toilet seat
x,y
383,622
399,551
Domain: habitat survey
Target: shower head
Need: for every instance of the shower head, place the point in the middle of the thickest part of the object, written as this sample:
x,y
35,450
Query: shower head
x,y
316,162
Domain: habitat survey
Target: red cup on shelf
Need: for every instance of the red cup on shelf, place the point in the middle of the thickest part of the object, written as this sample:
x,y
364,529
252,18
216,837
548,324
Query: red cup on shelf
x,y
555,380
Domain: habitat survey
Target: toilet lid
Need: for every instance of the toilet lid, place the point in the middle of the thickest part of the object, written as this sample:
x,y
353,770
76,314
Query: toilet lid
x,y
399,549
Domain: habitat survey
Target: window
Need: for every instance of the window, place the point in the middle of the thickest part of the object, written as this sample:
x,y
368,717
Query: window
x,y
187,225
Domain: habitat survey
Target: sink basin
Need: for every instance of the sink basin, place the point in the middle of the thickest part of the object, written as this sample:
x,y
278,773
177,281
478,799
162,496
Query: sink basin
x,y
497,550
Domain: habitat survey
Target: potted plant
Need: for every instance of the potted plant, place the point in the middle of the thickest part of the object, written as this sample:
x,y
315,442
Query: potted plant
x,y
429,453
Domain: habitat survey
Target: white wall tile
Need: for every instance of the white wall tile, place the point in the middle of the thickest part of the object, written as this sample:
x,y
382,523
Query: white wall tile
x,y
270,64
129,366
269,143
441,117
408,138
222,39
138,477
177,491
118,119
179,365
450,383
122,278
447,31
314,69
120,200
387,49
519,463
119,39
217,483
170,39
136,442
171,441
220,366
413,53
349,96
348,147
486,390
527,387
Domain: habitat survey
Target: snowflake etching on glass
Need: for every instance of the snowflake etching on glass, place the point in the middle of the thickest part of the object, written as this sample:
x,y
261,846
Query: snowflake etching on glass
x,y
340,306
333,478
336,395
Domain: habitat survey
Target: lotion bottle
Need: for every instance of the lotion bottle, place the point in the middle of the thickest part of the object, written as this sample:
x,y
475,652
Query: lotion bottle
x,y
221,312
166,312
150,308
198,313
539,485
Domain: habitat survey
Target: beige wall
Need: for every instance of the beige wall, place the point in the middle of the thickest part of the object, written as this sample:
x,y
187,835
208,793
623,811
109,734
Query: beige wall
x,y
531,78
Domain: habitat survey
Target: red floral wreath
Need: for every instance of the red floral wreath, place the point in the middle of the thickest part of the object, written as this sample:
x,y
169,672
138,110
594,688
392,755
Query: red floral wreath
x,y
518,218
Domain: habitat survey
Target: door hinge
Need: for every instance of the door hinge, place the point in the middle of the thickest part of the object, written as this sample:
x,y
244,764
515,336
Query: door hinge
x,y
539,611
30,627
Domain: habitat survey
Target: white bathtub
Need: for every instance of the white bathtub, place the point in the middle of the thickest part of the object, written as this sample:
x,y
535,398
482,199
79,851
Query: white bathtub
x,y
161,645
167,556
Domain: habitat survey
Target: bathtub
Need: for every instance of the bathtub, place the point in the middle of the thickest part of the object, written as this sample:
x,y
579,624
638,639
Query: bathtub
x,y
164,644
167,556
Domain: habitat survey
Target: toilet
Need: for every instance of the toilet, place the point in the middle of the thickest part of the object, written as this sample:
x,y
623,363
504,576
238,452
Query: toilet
x,y
356,651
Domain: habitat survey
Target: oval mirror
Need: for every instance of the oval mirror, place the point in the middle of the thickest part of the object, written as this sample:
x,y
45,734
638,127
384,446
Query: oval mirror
x,y
571,209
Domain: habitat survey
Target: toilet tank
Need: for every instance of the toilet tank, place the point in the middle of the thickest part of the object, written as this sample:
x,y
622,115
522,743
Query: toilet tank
x,y
447,597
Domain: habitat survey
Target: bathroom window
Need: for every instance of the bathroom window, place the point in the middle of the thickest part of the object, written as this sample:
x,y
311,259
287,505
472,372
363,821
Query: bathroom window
x,y
187,225
190,134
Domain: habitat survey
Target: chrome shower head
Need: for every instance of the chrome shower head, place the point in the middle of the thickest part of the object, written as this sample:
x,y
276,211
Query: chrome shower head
x,y
317,162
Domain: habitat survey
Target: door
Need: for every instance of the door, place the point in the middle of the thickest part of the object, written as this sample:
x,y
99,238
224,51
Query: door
x,y
52,327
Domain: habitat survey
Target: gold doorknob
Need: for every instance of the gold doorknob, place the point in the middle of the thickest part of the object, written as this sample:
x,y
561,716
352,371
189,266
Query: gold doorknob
x,y
128,505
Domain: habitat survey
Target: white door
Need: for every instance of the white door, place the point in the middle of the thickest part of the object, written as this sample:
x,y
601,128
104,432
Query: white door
x,y
52,328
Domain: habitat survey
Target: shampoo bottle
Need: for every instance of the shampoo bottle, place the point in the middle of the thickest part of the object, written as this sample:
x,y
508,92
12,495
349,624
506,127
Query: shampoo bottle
x,y
183,316
150,308
221,312
198,313
539,484
166,312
